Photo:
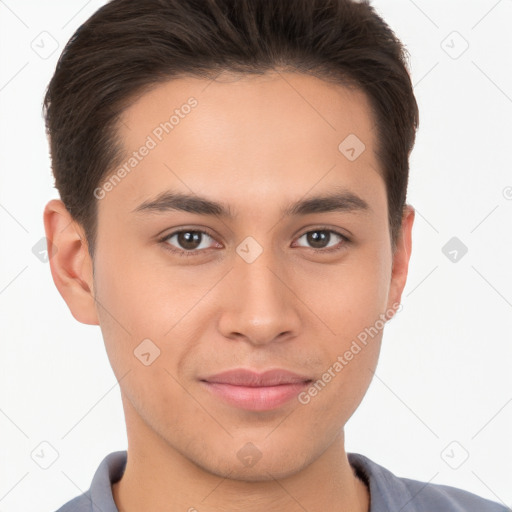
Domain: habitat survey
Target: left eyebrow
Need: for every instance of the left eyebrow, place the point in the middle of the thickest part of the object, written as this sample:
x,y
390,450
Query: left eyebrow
x,y
337,201
341,201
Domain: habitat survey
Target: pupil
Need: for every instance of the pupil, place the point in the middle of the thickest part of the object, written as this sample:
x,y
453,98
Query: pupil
x,y
189,239
315,236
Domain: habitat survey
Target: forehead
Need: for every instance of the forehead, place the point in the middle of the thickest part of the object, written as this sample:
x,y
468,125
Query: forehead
x,y
247,136
241,105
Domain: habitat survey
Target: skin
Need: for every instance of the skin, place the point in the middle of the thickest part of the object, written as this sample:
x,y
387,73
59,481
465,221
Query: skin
x,y
257,144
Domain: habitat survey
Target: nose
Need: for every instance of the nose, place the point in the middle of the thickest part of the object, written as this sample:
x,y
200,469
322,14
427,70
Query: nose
x,y
261,307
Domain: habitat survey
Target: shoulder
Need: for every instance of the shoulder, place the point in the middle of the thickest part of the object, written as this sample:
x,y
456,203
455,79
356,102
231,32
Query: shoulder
x,y
81,503
389,492
451,498
99,494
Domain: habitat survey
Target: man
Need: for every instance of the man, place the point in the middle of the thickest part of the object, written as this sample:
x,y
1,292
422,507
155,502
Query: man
x,y
233,176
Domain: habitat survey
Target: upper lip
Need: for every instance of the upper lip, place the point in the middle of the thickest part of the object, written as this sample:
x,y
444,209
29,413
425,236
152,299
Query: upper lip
x,y
252,378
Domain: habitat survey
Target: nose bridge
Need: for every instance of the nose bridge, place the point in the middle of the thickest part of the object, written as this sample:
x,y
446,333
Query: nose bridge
x,y
258,278
261,306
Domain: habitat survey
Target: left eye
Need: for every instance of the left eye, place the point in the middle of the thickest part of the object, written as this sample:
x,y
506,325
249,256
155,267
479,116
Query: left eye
x,y
320,238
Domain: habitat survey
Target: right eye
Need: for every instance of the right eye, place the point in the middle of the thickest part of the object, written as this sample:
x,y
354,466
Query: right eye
x,y
189,242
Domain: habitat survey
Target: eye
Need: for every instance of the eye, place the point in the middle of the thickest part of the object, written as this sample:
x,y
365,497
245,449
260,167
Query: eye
x,y
192,242
187,242
319,240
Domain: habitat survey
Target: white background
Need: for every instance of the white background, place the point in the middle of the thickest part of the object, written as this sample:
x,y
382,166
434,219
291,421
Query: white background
x,y
444,373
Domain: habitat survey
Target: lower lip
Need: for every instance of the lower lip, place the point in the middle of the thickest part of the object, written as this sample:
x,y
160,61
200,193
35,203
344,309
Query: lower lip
x,y
263,398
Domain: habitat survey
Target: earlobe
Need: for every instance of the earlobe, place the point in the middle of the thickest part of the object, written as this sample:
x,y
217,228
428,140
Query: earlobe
x,y
70,262
401,257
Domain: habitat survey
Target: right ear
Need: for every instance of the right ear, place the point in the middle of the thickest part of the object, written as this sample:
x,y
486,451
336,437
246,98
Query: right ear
x,y
70,262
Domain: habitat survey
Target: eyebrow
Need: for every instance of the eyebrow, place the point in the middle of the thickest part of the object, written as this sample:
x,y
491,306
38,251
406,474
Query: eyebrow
x,y
339,200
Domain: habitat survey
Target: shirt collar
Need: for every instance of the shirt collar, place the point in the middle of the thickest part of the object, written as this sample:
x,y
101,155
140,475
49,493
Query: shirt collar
x,y
387,492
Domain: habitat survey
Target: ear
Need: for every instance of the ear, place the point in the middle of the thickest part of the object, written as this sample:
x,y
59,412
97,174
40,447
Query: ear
x,y
401,258
70,262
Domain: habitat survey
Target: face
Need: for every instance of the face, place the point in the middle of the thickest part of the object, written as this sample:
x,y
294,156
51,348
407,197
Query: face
x,y
185,290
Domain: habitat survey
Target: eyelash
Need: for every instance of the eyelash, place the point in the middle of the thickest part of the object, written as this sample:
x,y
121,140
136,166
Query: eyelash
x,y
196,252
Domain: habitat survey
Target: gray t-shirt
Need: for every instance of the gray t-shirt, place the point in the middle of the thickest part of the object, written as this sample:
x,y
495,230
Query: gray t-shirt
x,y
388,493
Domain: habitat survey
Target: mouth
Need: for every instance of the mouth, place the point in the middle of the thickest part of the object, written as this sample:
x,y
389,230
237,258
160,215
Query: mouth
x,y
255,391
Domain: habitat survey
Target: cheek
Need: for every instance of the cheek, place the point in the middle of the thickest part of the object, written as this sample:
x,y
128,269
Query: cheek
x,y
140,300
141,297
351,295
333,398
125,307
137,310
357,298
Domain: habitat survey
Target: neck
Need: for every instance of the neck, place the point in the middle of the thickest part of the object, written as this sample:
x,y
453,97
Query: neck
x,y
159,477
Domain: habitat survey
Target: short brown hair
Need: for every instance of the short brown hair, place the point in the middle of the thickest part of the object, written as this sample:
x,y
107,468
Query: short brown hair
x,y
128,46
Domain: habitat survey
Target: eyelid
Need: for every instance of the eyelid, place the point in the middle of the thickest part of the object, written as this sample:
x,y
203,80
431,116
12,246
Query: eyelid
x,y
183,252
337,231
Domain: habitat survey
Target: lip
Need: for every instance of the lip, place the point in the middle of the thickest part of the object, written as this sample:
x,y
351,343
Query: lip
x,y
255,391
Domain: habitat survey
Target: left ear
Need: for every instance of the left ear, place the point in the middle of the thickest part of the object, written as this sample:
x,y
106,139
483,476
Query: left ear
x,y
401,258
